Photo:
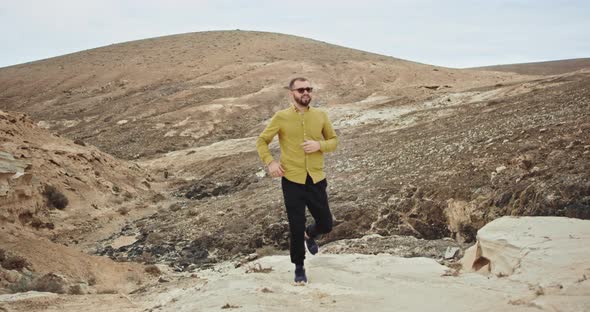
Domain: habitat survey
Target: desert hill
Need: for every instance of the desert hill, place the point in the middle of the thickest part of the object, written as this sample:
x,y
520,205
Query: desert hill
x,y
141,98
542,68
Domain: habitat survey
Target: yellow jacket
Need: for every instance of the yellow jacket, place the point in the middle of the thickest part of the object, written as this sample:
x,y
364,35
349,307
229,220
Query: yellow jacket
x,y
293,128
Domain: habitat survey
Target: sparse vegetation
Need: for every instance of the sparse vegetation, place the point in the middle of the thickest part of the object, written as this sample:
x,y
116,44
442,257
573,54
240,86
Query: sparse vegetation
x,y
55,198
49,283
107,291
192,213
127,195
501,275
230,306
76,290
153,270
12,262
257,268
123,210
174,207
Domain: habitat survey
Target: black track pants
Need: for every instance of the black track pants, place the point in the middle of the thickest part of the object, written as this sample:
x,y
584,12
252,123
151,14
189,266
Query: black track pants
x,y
297,196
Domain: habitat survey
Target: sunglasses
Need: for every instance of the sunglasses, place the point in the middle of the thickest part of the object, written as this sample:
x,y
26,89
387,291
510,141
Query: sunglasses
x,y
302,90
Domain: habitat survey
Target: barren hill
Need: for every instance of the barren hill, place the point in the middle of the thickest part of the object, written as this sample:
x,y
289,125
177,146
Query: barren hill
x,y
542,68
151,96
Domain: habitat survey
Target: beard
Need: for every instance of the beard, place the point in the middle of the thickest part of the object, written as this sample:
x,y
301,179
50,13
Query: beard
x,y
304,100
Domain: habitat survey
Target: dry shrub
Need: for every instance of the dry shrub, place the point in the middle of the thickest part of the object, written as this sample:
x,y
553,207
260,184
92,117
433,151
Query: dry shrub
x,y
174,207
13,262
153,270
107,291
127,195
55,198
156,198
76,290
39,224
230,306
155,238
123,210
50,282
192,212
257,268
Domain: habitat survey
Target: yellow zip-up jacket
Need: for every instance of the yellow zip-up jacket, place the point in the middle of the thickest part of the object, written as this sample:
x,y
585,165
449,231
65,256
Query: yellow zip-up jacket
x,y
293,127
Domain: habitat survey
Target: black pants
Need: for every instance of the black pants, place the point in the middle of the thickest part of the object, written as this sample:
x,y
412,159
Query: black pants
x,y
314,196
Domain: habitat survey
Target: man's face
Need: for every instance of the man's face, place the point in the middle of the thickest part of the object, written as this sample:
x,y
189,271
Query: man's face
x,y
301,92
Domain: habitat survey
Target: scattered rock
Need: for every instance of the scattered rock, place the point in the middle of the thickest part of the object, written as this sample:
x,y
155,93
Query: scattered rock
x,y
452,252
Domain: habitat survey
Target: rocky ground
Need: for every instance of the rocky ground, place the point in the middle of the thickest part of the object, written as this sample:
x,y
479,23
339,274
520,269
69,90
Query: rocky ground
x,y
535,267
443,171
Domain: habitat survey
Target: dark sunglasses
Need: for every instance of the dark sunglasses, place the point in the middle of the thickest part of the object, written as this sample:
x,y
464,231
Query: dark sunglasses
x,y
301,90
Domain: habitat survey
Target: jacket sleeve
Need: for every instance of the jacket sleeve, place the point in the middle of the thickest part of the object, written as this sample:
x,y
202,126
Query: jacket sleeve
x,y
330,139
265,138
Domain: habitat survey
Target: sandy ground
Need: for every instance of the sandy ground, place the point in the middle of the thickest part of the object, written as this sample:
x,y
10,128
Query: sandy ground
x,y
336,283
516,279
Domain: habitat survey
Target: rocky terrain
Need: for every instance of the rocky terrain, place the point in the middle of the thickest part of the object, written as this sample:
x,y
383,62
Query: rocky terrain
x,y
529,264
145,152
443,169
58,193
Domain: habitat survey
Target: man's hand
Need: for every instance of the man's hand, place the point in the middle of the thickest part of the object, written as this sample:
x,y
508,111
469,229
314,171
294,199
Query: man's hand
x,y
275,169
310,146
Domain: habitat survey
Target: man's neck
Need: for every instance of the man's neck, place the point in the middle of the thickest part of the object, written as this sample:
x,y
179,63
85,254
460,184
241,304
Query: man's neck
x,y
300,108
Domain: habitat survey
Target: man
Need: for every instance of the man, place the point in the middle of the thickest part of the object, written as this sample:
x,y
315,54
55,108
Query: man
x,y
305,134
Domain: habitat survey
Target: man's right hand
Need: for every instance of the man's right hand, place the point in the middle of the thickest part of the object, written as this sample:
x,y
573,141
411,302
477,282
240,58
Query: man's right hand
x,y
275,169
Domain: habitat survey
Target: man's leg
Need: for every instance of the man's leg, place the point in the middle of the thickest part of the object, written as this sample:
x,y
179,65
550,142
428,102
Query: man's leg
x,y
294,195
317,202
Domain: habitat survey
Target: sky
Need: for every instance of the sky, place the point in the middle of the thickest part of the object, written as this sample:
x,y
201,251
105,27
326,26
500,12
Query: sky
x,y
452,33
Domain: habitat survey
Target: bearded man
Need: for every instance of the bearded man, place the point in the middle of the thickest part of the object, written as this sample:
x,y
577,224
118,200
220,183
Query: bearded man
x,y
305,134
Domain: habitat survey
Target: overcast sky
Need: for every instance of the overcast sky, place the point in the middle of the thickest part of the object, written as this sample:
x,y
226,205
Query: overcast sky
x,y
445,33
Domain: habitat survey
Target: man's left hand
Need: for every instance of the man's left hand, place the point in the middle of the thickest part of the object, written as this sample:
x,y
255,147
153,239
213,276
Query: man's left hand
x,y
310,146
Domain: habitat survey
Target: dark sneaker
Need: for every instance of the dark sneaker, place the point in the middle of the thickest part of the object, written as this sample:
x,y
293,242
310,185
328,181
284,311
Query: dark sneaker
x,y
300,274
312,246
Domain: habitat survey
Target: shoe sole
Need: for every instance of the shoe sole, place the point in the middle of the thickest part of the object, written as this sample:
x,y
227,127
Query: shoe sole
x,y
309,249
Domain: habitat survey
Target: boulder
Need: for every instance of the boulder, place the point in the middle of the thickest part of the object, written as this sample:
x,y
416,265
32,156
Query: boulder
x,y
545,251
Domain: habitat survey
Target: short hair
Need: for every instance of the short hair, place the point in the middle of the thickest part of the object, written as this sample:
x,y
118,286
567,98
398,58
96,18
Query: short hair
x,y
296,79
